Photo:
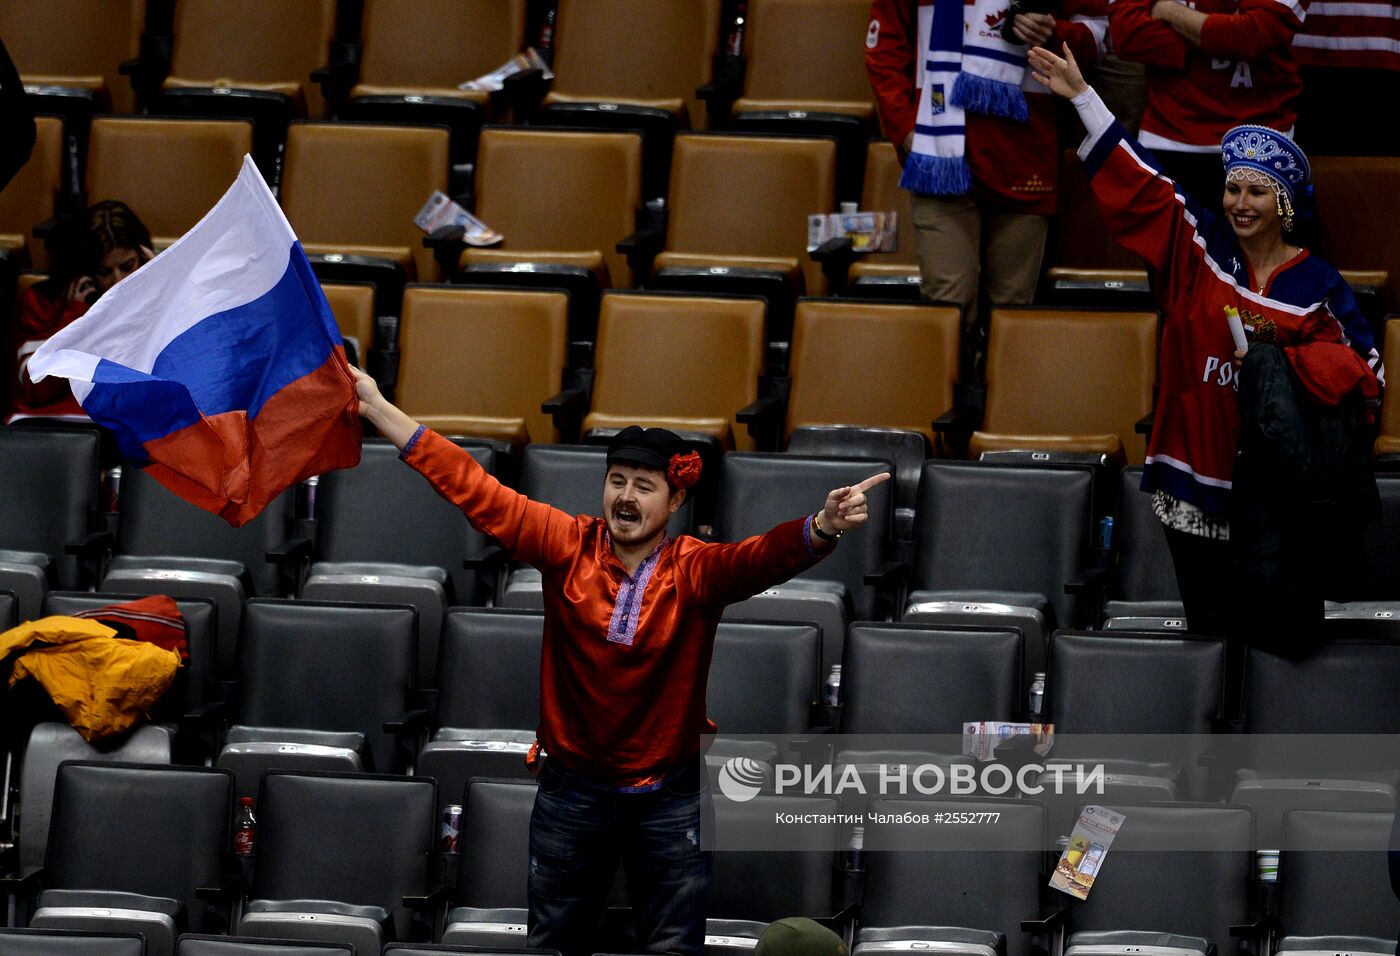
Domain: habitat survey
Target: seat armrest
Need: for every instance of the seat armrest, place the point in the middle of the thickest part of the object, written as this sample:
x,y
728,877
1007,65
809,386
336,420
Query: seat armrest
x,y
447,244
524,90
1254,929
888,573
1045,920
726,85
293,549
1088,581
835,256
957,420
436,897
228,889
18,884
1143,426
764,418
410,721
337,77
93,550
292,558
567,409
491,556
641,249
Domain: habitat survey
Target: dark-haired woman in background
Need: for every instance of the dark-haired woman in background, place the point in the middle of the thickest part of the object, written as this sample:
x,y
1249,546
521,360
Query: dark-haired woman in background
x,y
105,245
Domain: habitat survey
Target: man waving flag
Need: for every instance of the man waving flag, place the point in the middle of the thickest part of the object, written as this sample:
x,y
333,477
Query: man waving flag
x,y
218,362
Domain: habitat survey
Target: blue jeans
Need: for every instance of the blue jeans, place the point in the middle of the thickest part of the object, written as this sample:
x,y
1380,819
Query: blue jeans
x,y
578,833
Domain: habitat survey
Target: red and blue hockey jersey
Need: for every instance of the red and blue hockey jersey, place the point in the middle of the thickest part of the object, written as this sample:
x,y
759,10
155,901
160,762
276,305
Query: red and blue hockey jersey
x,y
1198,269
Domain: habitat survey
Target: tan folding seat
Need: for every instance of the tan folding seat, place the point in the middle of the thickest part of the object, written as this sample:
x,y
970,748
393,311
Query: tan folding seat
x,y
427,47
687,363
1388,440
352,304
644,52
29,198
480,362
170,172
881,193
354,189
551,192
743,201
1358,204
807,55
75,43
269,45
1068,380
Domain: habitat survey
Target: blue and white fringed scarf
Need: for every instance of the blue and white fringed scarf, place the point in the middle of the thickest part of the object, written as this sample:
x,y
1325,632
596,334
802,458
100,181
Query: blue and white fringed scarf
x,y
968,67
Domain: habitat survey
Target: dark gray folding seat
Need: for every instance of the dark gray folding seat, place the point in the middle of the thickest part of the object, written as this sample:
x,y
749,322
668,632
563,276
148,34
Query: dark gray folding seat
x,y
488,698
191,944
1382,543
1003,535
1334,880
166,545
55,942
50,477
758,491
409,949
570,478
384,536
319,683
491,898
336,856
952,889
8,609
143,875
1178,875
1145,585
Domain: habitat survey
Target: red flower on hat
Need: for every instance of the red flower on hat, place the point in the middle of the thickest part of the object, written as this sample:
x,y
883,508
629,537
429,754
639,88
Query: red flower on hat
x,y
684,470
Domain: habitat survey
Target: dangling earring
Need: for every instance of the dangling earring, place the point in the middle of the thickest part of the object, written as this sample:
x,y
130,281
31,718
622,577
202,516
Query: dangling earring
x,y
1285,210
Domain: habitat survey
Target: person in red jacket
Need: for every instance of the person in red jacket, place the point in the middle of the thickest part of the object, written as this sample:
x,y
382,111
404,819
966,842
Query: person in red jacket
x,y
630,619
1211,65
977,139
1349,58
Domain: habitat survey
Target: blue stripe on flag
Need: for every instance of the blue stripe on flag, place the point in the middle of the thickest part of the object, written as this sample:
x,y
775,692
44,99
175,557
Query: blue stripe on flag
x,y
923,130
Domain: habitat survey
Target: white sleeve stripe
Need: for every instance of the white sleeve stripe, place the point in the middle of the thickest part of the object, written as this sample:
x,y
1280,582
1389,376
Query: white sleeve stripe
x,y
1342,8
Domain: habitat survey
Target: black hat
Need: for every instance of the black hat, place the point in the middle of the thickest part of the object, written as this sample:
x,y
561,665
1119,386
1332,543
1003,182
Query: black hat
x,y
799,936
658,448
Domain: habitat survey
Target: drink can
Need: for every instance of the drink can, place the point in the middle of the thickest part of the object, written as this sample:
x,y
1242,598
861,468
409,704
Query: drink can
x,y
451,828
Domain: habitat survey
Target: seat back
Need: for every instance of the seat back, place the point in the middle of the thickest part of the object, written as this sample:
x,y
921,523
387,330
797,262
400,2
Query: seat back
x,y
75,42
341,667
896,367
1334,874
701,362
352,304
495,844
1054,372
1349,212
192,945
489,677
1388,439
764,677
28,199
353,838
510,346
169,171
383,511
154,522
260,43
570,478
1178,868
618,50
57,942
158,831
553,191
908,679
881,192
1081,239
1382,541
1344,687
799,51
767,885
437,43
50,482
972,876
758,491
750,196
1145,570
381,177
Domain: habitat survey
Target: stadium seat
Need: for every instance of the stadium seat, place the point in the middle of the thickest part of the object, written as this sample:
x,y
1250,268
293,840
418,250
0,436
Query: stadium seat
x,y
1068,381
1354,195
57,942
75,45
1334,878
352,189
1081,240
165,545
806,74
144,875
488,698
740,203
352,304
490,901
1388,440
337,855
191,944
169,171
509,346
1382,542
700,367
1145,584
759,491
50,477
31,197
315,677
570,478
887,274
943,887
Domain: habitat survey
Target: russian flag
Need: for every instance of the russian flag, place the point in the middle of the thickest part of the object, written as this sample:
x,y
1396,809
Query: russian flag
x,y
219,361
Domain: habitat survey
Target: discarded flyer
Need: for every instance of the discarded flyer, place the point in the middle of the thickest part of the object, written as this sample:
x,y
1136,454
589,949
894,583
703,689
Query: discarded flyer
x,y
440,210
495,81
868,231
981,738
1082,860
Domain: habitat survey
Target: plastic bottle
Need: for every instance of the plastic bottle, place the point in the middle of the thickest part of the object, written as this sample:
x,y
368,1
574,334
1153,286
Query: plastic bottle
x,y
1037,695
244,825
854,848
831,690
